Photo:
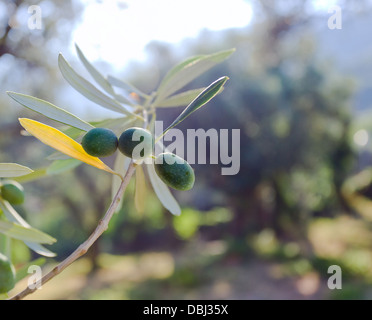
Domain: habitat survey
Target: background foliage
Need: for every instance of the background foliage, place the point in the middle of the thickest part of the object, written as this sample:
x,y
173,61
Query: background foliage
x,y
300,203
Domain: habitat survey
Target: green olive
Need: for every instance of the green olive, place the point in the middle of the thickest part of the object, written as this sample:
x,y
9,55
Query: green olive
x,y
174,171
7,274
100,142
133,137
12,192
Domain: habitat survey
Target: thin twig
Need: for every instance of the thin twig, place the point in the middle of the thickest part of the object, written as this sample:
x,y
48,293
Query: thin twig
x,y
101,228
84,247
146,119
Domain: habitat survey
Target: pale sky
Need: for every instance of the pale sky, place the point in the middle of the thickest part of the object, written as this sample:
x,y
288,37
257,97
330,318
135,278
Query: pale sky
x,y
117,31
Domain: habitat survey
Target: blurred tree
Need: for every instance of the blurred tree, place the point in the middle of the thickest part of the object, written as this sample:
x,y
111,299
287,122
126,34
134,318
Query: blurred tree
x,y
28,50
33,52
294,112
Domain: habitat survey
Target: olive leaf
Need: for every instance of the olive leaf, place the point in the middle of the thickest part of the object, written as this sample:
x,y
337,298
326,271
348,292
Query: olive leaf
x,y
10,170
101,80
162,93
58,156
117,125
180,99
162,191
50,110
188,70
36,174
140,191
61,142
72,132
60,166
12,215
19,232
87,89
127,87
204,97
160,188
97,76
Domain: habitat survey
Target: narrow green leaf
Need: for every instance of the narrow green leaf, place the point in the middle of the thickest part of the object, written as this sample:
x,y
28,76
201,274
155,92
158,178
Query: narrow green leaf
x,y
127,87
10,170
35,175
101,80
187,71
40,249
87,89
12,215
50,110
72,132
16,231
205,96
162,191
181,99
178,68
58,155
97,76
106,123
125,100
121,166
140,191
60,166
117,125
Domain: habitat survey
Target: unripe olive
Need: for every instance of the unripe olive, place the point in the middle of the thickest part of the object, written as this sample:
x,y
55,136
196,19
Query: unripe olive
x,y
133,137
12,192
7,274
100,142
174,171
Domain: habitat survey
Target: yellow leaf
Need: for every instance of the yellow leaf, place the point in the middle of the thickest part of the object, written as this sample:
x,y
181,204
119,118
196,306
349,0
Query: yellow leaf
x,y
63,143
140,193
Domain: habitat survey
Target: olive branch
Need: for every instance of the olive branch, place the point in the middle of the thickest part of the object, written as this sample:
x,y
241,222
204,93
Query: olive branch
x,y
135,108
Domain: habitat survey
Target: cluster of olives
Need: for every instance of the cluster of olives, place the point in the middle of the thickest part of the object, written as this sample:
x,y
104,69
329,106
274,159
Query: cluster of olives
x,y
12,192
172,170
